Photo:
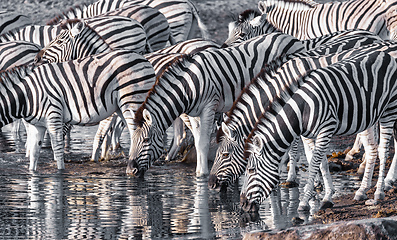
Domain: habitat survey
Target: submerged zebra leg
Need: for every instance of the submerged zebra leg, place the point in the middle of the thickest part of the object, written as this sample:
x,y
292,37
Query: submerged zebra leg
x,y
371,155
319,158
35,139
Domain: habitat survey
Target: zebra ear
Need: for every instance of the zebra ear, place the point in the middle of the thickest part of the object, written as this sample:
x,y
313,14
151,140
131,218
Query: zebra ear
x,y
257,141
147,116
262,7
76,29
226,130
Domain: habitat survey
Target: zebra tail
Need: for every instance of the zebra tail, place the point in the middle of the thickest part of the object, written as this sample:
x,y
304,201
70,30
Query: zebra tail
x,y
203,29
171,39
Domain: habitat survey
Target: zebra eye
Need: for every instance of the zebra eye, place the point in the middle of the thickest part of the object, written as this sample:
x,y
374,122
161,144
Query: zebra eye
x,y
145,140
59,42
225,155
243,34
251,170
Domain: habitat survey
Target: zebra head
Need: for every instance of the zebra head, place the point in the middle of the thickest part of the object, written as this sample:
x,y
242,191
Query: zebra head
x,y
76,40
146,144
250,24
229,163
261,175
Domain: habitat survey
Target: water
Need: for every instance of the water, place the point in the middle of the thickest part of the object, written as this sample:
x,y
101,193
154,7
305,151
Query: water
x,y
170,203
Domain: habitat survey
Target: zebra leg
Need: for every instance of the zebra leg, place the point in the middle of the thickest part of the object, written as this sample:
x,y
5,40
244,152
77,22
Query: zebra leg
x,y
391,177
103,128
55,130
367,138
178,135
294,155
201,129
355,149
383,151
319,158
35,137
118,130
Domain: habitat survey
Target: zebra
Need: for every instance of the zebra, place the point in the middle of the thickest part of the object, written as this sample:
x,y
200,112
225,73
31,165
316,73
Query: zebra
x,y
78,92
155,24
17,53
199,86
343,98
160,60
229,163
10,20
116,31
182,15
391,16
80,38
309,23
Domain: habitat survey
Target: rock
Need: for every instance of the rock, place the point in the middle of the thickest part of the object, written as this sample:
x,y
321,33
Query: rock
x,y
377,228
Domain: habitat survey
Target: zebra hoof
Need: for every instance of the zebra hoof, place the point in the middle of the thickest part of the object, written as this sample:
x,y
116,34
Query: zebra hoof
x,y
371,202
327,204
303,208
389,183
289,184
379,195
360,195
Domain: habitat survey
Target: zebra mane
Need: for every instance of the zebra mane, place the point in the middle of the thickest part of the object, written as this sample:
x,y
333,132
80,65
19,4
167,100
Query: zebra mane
x,y
64,15
66,23
247,15
273,109
176,63
267,71
18,71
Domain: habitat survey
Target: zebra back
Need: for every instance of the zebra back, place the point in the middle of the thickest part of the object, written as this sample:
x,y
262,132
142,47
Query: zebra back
x,y
40,35
180,14
17,53
353,14
89,36
10,21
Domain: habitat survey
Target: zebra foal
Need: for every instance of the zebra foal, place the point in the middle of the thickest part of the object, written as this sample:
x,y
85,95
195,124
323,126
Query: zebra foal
x,y
79,92
343,98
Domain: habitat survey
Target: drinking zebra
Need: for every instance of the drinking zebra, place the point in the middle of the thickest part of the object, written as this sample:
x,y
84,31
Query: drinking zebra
x,y
11,20
343,98
79,92
309,22
182,15
229,162
160,60
201,85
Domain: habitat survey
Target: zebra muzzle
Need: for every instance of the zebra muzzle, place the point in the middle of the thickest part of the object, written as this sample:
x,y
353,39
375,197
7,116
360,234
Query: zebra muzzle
x,y
248,206
133,169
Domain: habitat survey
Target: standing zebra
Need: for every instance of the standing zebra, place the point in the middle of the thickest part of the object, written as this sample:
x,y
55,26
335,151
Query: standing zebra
x,y
312,21
182,15
199,86
115,31
79,92
84,37
344,98
17,53
229,162
160,60
10,20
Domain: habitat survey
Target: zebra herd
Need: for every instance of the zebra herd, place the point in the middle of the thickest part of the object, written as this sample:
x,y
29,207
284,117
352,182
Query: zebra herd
x,y
290,71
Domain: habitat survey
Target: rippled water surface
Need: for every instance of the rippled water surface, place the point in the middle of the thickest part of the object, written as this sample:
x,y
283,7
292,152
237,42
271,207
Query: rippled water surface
x,y
170,203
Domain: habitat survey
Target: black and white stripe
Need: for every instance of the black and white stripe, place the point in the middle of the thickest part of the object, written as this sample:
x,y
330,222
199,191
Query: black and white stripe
x,y
201,85
229,162
305,20
182,15
17,53
79,92
344,98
